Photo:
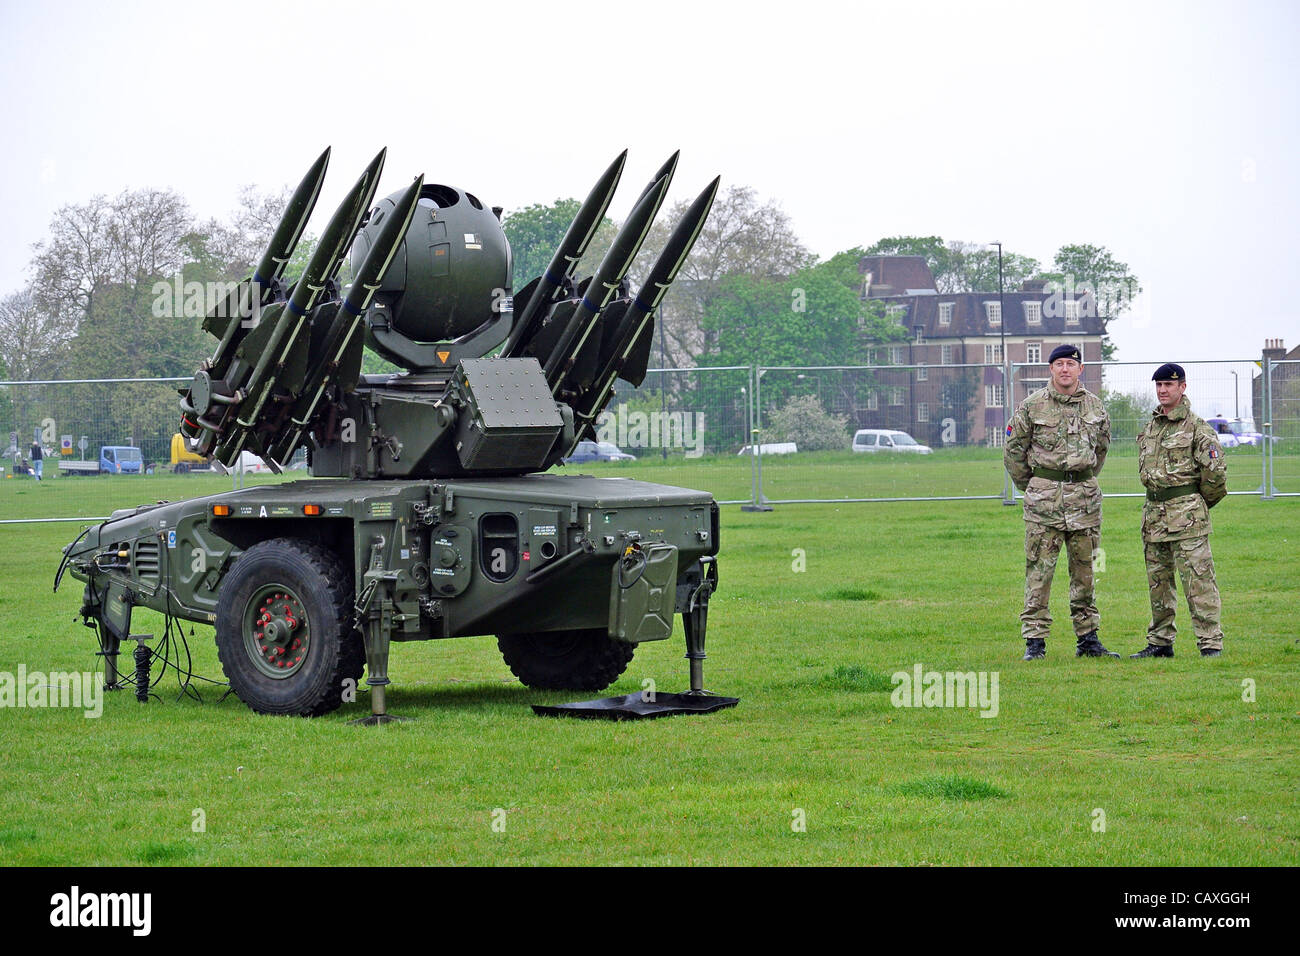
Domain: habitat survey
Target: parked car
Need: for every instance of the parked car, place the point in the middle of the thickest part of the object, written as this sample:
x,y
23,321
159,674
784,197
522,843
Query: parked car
x,y
1238,432
881,439
597,451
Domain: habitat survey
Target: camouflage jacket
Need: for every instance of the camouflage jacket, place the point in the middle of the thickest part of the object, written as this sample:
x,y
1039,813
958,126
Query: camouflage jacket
x,y
1174,450
1064,433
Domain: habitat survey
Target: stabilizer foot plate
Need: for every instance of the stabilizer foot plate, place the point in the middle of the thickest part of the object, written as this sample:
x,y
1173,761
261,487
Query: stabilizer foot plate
x,y
637,706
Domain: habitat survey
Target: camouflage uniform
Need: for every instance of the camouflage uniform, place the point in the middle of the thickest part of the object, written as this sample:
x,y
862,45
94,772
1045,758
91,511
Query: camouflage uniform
x,y
1061,433
1180,452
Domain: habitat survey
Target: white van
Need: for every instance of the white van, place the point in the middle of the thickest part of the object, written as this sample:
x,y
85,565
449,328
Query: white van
x,y
881,439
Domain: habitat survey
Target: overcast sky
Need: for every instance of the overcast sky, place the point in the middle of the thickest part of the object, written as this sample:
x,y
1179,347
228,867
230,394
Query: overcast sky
x,y
1166,132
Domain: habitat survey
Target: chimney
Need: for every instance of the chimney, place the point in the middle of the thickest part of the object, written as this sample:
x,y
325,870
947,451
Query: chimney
x,y
1033,285
1274,350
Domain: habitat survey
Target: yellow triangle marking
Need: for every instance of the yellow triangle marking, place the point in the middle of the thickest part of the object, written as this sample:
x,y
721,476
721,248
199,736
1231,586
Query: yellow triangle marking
x,y
442,356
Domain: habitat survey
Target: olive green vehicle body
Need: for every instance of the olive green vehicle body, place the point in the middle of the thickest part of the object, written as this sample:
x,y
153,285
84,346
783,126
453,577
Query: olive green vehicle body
x,y
556,541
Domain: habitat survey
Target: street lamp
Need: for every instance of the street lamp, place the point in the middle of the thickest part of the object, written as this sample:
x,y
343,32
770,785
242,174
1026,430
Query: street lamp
x,y
1236,404
1008,492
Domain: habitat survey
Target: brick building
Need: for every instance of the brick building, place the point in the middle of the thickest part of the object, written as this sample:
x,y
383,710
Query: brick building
x,y
940,403
1285,391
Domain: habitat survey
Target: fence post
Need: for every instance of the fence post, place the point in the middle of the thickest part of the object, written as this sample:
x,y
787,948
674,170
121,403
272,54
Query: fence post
x,y
757,502
1008,377
1266,453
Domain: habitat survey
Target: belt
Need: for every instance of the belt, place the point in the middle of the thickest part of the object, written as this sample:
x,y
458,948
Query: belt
x,y
1051,474
1165,494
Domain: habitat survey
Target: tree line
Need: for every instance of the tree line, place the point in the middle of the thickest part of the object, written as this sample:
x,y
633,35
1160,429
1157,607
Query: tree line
x,y
751,291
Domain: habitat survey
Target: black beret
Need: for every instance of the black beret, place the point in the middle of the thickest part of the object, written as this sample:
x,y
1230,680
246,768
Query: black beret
x,y
1065,351
1169,372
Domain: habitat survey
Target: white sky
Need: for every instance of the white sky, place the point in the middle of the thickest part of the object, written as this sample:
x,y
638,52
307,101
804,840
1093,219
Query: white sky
x,y
1167,132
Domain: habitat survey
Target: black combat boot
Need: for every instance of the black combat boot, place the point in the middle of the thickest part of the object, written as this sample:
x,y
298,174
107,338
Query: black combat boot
x,y
1090,646
1154,650
1035,649
1210,652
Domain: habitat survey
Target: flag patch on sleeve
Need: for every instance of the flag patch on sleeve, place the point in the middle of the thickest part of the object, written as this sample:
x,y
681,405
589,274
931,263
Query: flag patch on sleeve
x,y
1008,431
1214,453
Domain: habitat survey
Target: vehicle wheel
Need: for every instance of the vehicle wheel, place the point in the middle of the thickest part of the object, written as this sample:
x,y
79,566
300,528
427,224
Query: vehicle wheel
x,y
566,660
181,469
284,629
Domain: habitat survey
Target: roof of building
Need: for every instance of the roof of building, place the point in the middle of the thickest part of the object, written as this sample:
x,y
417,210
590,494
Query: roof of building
x,y
896,275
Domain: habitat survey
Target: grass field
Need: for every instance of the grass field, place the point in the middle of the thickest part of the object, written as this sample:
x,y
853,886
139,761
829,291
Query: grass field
x,y
1181,769
956,473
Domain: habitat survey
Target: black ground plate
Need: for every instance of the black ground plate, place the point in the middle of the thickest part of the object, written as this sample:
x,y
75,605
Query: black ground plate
x,y
634,707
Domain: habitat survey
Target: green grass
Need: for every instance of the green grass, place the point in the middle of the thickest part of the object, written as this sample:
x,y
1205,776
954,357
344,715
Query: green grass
x,y
953,473
1185,771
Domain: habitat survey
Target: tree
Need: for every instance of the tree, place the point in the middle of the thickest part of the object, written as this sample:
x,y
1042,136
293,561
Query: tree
x,y
33,342
535,233
741,238
803,421
1128,411
237,246
959,266
98,272
1080,269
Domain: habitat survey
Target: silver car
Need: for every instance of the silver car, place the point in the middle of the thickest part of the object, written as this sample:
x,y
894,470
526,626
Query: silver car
x,y
881,439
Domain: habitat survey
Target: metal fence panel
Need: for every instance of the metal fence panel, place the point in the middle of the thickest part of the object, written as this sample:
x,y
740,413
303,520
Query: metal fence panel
x,y
716,429
1279,382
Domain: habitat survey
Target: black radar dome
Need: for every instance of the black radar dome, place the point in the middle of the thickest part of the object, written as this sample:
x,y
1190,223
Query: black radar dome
x,y
449,277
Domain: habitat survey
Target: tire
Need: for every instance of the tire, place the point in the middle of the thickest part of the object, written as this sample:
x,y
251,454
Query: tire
x,y
284,629
566,660
181,469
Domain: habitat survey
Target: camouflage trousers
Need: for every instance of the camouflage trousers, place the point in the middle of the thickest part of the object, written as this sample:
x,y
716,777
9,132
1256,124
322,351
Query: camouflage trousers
x,y
1042,546
1196,568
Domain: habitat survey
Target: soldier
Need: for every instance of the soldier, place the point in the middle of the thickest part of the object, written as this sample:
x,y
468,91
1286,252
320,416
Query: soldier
x,y
1056,446
1182,466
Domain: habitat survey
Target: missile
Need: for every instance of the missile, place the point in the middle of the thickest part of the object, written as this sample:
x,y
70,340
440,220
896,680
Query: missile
x,y
576,239
605,282
666,170
331,248
347,318
248,297
648,297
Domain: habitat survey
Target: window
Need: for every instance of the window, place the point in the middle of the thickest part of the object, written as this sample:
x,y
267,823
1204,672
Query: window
x,y
945,313
1034,353
1072,311
1032,385
873,400
997,438
1034,313
992,396
993,354
922,373
895,355
895,310
922,412
896,396
994,311
945,355
920,335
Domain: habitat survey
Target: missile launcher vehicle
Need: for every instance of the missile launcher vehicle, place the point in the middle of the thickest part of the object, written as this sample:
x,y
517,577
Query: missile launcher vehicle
x,y
429,513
